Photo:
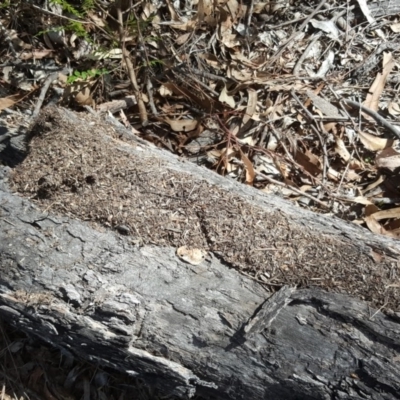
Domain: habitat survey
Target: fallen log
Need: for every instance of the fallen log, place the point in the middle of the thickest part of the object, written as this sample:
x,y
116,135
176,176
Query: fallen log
x,y
90,224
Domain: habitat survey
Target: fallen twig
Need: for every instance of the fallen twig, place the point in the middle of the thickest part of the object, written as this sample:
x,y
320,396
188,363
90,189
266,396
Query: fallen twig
x,y
382,121
249,15
278,183
131,72
117,105
305,54
293,36
52,77
316,131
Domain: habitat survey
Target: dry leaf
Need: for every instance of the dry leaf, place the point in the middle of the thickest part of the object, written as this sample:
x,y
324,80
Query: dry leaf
x,y
370,209
309,162
333,174
373,185
394,109
111,54
375,91
388,158
359,200
181,125
325,106
385,214
352,176
37,54
374,143
259,7
251,105
84,97
226,99
6,102
191,256
341,150
374,226
203,101
96,19
367,13
328,27
395,27
182,38
250,173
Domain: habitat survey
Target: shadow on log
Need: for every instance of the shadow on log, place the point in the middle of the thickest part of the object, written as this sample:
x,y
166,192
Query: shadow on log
x,y
128,302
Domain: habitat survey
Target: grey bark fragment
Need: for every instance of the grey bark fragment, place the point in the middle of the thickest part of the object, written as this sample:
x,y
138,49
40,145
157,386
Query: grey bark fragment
x,y
268,311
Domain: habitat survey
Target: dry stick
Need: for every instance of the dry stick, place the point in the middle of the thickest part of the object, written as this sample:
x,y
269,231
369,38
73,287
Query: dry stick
x,y
305,54
375,116
207,75
204,86
293,36
149,87
290,157
149,84
249,15
345,172
52,77
293,21
60,16
293,189
7,39
141,40
323,144
131,72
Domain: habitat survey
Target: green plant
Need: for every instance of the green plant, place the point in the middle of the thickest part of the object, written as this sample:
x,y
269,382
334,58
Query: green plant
x,y
85,75
76,26
6,4
368,160
88,5
134,26
153,63
67,7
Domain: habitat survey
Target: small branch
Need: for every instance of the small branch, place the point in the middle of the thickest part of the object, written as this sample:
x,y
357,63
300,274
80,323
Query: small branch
x,y
382,121
309,48
323,144
249,15
60,16
293,36
7,39
131,71
51,78
299,192
149,87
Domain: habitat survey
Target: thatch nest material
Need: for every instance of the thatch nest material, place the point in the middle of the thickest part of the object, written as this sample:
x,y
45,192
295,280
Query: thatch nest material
x,y
77,170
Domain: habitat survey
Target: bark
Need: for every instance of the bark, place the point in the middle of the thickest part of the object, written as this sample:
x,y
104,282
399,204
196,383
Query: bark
x,y
384,8
193,329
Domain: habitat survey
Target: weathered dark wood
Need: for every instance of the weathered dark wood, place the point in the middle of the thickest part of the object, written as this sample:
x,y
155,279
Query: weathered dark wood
x,y
192,329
